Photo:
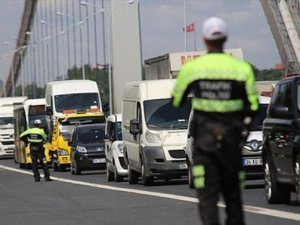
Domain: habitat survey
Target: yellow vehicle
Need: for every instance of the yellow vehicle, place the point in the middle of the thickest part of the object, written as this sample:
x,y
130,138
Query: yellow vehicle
x,y
24,115
58,147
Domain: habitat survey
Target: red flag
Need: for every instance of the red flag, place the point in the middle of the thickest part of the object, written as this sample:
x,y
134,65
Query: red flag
x,y
189,28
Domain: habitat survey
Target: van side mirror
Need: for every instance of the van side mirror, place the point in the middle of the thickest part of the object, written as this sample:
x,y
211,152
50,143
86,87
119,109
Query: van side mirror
x,y
70,143
134,127
49,110
280,111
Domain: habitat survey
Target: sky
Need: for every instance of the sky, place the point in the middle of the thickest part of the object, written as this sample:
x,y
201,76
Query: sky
x,y
162,23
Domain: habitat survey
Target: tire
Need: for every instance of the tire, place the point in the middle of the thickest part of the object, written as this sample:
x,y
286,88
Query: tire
x,y
276,193
77,171
109,174
54,165
297,178
62,168
133,177
72,168
28,166
190,177
117,177
147,180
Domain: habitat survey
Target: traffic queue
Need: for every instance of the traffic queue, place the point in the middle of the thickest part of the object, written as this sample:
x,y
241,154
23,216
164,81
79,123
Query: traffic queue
x,y
148,140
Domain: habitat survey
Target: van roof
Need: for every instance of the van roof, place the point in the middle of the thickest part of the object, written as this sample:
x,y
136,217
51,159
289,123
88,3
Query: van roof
x,y
149,89
71,86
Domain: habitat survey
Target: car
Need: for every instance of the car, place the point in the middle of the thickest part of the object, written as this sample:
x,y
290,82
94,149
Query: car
x,y
252,149
116,169
87,148
281,142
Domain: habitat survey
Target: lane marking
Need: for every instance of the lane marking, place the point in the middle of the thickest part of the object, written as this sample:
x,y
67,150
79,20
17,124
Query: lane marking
x,y
247,208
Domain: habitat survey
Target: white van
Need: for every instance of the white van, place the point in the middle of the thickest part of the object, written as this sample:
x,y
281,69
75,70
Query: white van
x,y
71,95
115,166
252,149
154,132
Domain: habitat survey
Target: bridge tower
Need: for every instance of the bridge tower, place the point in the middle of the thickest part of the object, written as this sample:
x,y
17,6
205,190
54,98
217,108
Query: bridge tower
x,y
284,21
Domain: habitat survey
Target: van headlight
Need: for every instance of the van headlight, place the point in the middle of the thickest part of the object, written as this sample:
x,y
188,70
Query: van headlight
x,y
152,137
81,149
120,148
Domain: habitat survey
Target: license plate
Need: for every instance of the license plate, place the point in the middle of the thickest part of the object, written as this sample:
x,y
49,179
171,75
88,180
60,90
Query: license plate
x,y
99,160
183,166
252,162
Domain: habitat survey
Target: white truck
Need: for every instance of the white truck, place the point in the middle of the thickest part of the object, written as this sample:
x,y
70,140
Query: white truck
x,y
7,139
154,132
71,96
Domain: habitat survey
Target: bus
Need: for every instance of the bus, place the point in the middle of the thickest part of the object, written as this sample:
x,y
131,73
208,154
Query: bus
x,y
24,116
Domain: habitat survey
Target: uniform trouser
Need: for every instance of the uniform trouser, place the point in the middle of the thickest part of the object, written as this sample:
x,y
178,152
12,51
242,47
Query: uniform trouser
x,y
37,155
218,171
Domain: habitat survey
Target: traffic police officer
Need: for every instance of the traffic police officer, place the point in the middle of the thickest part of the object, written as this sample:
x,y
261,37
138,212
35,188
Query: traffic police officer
x,y
224,101
36,137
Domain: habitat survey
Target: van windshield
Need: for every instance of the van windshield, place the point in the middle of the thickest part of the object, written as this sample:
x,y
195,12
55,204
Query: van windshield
x,y
80,101
161,115
259,118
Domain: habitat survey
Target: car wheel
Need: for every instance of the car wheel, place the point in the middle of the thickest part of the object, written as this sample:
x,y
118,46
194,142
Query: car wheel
x,y
61,168
72,168
133,177
109,174
275,192
77,171
190,177
117,177
28,166
54,165
147,180
22,166
297,178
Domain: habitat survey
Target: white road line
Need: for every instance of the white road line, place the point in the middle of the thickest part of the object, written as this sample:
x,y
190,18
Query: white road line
x,y
247,208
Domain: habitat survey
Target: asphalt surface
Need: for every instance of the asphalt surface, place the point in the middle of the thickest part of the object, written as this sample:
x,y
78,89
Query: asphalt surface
x,y
90,199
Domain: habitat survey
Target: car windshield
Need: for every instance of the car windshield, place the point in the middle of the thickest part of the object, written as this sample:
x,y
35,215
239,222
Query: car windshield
x,y
91,135
259,118
80,101
161,115
6,122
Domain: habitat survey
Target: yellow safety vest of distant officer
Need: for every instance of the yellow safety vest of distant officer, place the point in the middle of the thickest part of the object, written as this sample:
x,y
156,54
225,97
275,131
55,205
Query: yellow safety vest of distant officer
x,y
224,102
35,137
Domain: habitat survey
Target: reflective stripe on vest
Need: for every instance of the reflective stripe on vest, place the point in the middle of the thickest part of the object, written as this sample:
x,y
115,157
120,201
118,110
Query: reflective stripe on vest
x,y
210,105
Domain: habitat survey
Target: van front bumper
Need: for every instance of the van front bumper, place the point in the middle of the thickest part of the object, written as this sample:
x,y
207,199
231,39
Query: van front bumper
x,y
156,163
90,161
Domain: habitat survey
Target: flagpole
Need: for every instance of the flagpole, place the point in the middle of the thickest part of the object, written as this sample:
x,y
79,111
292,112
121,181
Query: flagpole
x,y
195,41
184,17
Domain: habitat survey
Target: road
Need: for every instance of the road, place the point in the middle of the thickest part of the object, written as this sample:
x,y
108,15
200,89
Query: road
x,y
90,199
